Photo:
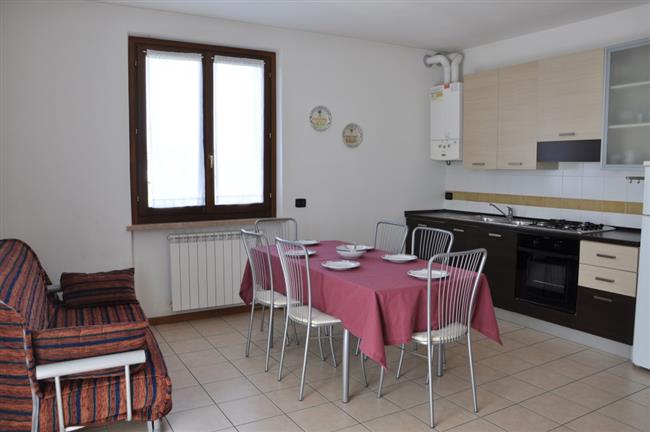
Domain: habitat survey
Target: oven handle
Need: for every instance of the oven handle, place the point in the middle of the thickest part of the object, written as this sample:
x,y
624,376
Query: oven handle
x,y
547,253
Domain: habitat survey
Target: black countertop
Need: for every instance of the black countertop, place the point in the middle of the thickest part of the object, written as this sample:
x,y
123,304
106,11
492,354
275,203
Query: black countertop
x,y
623,236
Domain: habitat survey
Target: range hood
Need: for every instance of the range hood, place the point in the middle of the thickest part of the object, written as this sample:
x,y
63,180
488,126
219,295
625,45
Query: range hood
x,y
569,151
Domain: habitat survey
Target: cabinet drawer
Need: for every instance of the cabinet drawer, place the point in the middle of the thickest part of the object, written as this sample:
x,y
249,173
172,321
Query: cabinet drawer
x,y
605,314
609,255
608,280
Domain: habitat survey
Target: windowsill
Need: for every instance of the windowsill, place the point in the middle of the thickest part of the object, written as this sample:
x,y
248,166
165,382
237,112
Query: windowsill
x,y
189,225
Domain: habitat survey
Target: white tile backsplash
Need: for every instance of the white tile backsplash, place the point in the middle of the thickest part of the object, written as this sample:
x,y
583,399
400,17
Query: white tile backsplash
x,y
570,180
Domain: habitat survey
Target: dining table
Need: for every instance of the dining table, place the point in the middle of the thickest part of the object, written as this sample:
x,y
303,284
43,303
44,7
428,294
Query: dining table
x,y
378,301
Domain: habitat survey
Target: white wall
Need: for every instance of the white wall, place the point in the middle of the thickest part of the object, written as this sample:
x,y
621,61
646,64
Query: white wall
x,y
572,180
65,149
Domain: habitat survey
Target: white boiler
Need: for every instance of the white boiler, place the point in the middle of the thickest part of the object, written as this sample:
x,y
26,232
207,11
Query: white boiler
x,y
446,121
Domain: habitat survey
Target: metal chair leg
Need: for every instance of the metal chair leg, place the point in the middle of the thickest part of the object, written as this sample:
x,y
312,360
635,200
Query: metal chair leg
x,y
381,381
271,322
250,328
430,385
262,320
356,351
304,365
401,359
439,366
363,370
153,426
295,333
331,330
284,345
269,340
320,346
471,372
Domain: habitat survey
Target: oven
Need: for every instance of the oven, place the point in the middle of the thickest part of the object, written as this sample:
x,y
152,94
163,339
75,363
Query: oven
x,y
547,271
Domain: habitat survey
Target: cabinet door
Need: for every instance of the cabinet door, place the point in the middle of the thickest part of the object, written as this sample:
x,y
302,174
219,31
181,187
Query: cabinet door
x,y
501,264
480,128
605,314
517,148
570,95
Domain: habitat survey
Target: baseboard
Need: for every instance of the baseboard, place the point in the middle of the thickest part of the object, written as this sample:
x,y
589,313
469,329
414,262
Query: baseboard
x,y
196,315
577,336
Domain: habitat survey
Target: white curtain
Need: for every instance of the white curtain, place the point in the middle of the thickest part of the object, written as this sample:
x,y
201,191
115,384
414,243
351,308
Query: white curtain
x,y
238,130
175,163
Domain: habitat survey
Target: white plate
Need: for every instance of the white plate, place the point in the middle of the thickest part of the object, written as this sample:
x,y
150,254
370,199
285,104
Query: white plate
x,y
340,265
299,253
400,258
350,247
309,242
422,274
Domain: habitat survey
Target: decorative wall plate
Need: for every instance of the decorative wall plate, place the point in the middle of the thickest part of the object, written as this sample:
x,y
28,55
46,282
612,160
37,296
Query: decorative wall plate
x,y
320,118
352,135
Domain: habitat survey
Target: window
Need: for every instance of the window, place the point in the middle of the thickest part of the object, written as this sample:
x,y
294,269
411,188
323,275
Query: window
x,y
202,132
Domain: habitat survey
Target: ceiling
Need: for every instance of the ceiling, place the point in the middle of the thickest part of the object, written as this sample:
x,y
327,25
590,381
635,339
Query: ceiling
x,y
430,24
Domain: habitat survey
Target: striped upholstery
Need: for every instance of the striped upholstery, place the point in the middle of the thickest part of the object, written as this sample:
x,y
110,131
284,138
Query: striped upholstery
x,y
92,289
29,316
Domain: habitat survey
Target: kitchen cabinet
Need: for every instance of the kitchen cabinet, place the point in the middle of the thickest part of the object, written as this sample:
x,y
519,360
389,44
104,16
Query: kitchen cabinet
x,y
480,115
570,96
605,314
627,105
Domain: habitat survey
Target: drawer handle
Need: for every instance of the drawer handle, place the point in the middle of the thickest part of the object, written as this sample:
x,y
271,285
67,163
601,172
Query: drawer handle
x,y
478,163
566,134
605,299
600,255
458,230
515,163
602,279
495,235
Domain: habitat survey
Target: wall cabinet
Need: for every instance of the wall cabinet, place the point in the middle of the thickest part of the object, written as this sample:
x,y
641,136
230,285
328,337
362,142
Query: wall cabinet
x,y
480,128
570,96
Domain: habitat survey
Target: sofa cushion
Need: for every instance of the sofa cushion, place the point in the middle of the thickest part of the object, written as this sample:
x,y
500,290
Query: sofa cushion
x,y
96,289
96,315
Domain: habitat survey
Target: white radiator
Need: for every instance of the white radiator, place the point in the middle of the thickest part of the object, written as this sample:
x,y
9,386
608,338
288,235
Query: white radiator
x,y
206,269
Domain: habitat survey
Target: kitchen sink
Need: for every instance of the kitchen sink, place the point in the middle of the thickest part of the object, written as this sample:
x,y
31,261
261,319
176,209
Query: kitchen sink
x,y
500,220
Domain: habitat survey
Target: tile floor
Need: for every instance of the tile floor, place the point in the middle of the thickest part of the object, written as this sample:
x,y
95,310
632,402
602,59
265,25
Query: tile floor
x,y
534,382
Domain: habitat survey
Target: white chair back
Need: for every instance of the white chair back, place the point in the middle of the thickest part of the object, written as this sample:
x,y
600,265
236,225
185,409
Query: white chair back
x,y
297,281
259,257
390,236
285,228
427,242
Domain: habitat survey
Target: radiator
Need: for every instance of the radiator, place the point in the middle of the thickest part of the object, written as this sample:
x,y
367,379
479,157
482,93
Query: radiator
x,y
206,269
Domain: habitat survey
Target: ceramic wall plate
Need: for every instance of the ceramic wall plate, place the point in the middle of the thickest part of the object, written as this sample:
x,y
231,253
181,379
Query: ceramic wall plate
x,y
320,118
352,135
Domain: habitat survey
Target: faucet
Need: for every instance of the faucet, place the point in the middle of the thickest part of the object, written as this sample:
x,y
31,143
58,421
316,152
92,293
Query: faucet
x,y
511,212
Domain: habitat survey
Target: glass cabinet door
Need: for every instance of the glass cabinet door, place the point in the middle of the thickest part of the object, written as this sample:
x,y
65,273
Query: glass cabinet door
x,y
627,110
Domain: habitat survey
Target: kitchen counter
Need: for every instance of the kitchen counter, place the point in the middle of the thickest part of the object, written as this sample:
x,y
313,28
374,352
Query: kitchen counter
x,y
622,236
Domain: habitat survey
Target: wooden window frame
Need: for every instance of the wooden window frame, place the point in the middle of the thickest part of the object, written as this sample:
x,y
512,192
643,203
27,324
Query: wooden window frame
x,y
141,213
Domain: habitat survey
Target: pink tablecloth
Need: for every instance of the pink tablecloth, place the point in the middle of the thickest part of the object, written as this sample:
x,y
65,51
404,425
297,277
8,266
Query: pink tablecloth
x,y
378,301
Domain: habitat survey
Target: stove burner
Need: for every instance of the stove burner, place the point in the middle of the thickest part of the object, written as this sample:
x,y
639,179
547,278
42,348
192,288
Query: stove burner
x,y
565,225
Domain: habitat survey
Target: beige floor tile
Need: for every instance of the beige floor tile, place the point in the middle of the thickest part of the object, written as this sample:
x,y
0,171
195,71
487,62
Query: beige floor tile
x,y
569,368
399,421
512,389
586,395
215,372
165,349
202,358
333,389
280,423
189,398
355,428
560,346
628,371
406,394
368,406
173,334
555,408
188,345
630,413
253,365
482,373
132,426
595,422
446,414
508,344
507,326
528,336
479,425
543,378
596,359
533,354
287,399
449,384
249,409
231,389
236,352
182,378
173,362
267,382
507,363
488,402
226,339
211,326
322,418
206,419
642,397
520,419
610,383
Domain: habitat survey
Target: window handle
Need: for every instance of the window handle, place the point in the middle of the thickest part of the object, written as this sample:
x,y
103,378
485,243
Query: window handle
x,y
211,157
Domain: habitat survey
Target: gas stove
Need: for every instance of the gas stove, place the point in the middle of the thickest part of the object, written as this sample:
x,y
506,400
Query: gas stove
x,y
562,225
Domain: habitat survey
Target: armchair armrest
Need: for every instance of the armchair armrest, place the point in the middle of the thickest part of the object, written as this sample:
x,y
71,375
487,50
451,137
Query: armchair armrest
x,y
89,364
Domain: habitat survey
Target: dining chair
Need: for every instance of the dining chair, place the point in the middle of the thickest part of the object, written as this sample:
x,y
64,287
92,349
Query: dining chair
x,y
297,281
390,236
449,316
259,253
